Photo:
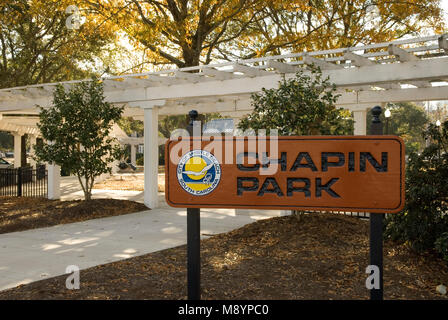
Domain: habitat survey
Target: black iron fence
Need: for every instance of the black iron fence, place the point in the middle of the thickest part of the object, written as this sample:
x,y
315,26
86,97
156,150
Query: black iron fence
x,y
24,182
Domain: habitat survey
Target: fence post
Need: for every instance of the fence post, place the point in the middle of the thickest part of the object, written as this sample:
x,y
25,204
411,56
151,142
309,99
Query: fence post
x,y
19,181
193,236
376,220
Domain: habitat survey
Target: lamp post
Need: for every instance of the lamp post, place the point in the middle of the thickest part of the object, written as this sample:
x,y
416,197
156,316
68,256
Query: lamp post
x,y
387,114
376,220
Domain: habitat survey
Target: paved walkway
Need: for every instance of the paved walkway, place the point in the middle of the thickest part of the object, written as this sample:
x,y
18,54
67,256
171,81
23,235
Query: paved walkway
x,y
33,255
71,190
37,254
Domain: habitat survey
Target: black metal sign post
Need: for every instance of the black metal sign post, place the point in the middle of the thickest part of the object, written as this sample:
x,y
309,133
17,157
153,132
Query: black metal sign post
x,y
193,237
376,221
194,257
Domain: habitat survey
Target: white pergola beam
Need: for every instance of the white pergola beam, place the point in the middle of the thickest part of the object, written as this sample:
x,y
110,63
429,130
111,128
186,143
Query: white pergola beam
x,y
249,71
198,100
165,80
21,121
218,74
322,64
176,109
37,92
350,100
132,111
139,82
49,89
443,42
400,95
28,112
420,84
430,69
115,85
358,60
22,129
282,67
188,76
20,93
373,75
361,61
404,55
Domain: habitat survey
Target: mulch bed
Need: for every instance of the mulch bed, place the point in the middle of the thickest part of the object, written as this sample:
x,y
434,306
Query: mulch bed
x,y
22,213
322,256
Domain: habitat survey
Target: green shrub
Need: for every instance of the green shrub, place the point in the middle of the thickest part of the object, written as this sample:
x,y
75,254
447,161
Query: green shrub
x,y
139,159
303,105
424,221
442,245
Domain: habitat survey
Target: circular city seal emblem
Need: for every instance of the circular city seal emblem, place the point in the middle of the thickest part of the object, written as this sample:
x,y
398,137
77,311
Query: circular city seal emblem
x,y
198,172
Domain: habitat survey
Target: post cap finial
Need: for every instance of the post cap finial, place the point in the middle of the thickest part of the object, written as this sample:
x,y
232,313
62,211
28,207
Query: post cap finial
x,y
193,114
376,112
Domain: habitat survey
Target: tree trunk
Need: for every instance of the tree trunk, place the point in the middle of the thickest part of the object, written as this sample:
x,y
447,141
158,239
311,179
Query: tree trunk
x,y
86,188
89,187
191,56
88,192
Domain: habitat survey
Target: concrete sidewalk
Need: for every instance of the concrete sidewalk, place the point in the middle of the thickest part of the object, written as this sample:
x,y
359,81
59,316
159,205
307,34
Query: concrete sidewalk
x,y
71,190
33,255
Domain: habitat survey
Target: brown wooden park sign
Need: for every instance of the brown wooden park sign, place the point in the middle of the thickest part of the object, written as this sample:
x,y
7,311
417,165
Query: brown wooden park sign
x,y
324,173
318,173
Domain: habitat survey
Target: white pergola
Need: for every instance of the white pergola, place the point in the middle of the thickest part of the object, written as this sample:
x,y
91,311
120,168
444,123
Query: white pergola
x,y
405,70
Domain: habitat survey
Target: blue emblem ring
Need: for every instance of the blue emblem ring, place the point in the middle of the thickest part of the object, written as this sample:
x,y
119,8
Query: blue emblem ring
x,y
198,172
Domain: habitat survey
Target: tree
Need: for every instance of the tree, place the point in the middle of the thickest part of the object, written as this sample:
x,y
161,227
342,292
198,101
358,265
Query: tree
x,y
304,105
129,126
180,32
310,25
37,45
76,129
407,121
186,33
423,223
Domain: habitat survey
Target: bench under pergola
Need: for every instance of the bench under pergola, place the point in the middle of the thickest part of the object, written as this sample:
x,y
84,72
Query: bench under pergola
x,y
405,70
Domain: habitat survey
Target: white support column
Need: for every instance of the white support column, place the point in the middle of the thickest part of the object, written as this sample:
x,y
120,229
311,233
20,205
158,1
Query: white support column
x,y
17,149
54,181
151,151
360,117
32,153
133,154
